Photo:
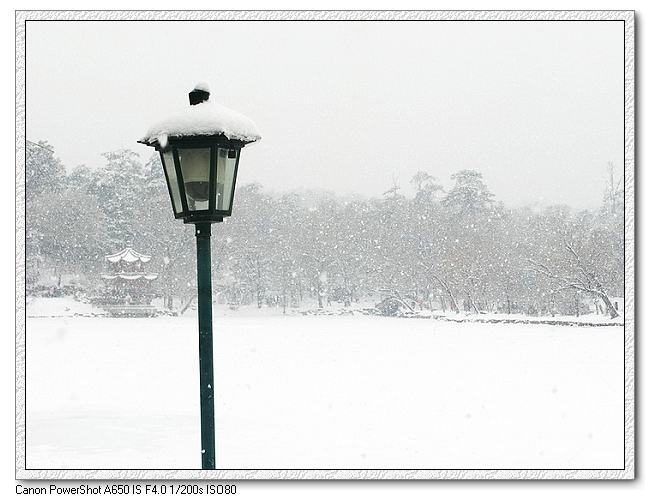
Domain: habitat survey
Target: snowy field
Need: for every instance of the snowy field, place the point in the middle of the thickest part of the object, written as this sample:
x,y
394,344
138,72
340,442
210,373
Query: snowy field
x,y
321,392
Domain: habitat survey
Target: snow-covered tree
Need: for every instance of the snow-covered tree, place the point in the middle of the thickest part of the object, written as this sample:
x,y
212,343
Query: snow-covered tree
x,y
469,195
80,178
426,187
249,232
120,187
44,173
574,257
65,232
614,195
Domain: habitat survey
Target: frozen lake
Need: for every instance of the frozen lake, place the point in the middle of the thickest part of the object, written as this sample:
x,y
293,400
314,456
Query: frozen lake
x,y
324,392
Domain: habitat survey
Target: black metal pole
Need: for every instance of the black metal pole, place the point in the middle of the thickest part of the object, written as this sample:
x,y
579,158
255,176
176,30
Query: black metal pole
x,y
204,285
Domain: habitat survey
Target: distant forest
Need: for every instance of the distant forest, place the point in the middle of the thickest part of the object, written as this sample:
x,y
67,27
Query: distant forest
x,y
459,250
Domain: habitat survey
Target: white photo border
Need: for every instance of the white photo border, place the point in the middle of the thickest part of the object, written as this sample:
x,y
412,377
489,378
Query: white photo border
x,y
628,472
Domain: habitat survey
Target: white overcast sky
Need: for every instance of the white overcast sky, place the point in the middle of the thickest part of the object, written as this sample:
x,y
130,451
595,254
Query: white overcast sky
x,y
353,106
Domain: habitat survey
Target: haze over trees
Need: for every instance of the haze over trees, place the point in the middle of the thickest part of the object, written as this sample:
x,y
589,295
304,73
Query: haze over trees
x,y
461,250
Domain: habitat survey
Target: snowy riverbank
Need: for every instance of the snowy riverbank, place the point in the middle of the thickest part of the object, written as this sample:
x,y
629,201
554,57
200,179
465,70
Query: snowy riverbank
x,y
40,307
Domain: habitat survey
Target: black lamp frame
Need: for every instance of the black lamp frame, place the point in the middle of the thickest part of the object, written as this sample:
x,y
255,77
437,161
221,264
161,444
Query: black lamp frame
x,y
213,142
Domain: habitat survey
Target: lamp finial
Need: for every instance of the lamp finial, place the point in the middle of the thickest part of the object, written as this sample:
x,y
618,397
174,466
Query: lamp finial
x,y
201,93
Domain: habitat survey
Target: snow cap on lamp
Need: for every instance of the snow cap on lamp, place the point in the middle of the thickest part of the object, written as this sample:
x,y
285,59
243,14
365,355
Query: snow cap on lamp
x,y
203,117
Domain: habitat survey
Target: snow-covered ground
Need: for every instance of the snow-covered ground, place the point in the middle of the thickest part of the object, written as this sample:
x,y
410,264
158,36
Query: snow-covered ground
x,y
321,392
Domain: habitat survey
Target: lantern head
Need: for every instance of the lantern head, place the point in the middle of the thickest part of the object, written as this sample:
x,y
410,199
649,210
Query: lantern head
x,y
200,150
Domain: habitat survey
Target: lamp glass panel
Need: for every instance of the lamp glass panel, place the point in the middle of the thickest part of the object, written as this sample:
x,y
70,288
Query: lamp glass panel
x,y
195,168
170,171
226,161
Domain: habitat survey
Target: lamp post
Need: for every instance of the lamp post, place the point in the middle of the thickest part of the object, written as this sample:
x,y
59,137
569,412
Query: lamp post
x,y
200,149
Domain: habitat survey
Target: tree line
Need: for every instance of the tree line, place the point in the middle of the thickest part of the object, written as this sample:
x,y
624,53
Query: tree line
x,y
460,250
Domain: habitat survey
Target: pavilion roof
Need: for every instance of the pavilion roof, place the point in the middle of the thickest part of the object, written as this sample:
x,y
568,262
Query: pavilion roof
x,y
128,255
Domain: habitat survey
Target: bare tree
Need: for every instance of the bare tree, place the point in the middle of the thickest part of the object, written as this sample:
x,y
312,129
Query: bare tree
x,y
580,277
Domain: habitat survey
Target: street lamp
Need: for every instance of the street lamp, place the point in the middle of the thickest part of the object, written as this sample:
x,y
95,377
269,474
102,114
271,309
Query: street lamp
x,y
200,149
